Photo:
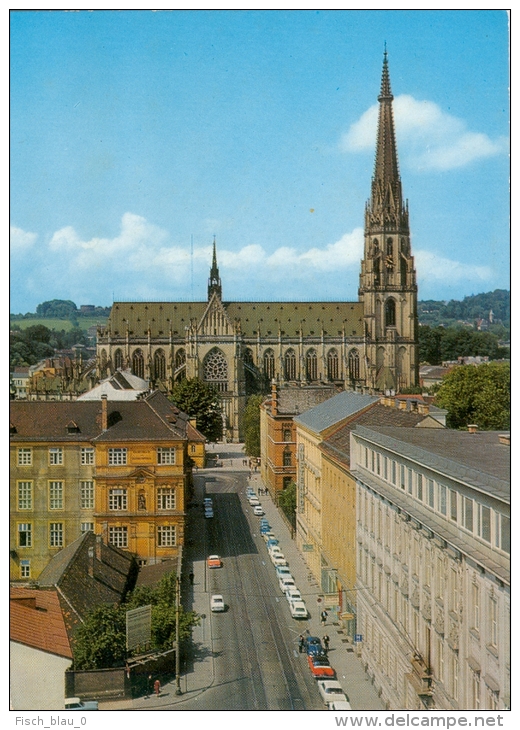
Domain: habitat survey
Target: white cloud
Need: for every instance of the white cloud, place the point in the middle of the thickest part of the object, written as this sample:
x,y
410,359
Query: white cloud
x,y
20,240
428,138
432,268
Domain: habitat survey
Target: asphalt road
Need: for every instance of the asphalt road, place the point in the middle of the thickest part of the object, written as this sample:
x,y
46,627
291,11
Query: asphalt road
x,y
254,643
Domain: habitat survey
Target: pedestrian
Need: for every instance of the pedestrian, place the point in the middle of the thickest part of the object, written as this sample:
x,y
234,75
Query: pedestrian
x,y
149,686
191,577
326,642
301,643
157,687
324,615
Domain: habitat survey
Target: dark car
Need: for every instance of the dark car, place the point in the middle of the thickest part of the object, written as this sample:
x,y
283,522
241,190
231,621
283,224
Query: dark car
x,y
313,645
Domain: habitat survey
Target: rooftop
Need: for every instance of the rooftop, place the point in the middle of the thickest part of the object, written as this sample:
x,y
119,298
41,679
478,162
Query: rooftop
x,y
335,410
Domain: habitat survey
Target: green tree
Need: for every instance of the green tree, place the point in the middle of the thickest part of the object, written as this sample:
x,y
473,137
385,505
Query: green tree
x,y
252,425
60,308
201,402
480,395
100,641
287,502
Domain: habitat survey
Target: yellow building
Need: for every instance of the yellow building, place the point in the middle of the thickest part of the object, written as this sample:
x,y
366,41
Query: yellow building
x,y
121,469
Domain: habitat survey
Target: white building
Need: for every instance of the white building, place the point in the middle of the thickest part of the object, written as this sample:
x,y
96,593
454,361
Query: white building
x,y
433,566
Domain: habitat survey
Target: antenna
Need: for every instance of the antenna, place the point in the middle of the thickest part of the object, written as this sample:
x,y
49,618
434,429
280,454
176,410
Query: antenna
x,y
192,268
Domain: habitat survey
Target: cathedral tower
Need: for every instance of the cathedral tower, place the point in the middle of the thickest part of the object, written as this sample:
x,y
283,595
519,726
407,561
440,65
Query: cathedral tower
x,y
387,283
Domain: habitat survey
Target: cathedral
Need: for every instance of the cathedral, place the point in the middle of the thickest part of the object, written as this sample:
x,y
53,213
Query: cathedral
x,y
370,345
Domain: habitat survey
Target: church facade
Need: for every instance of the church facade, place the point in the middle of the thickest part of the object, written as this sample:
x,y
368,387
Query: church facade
x,y
369,345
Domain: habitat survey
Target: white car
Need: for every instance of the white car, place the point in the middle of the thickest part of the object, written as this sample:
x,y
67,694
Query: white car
x,y
268,536
282,570
293,594
258,511
298,609
274,550
254,502
339,705
287,581
217,604
331,691
208,513
279,559
208,502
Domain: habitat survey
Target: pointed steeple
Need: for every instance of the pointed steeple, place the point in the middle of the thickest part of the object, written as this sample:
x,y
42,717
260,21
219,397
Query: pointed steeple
x,y
386,201
214,283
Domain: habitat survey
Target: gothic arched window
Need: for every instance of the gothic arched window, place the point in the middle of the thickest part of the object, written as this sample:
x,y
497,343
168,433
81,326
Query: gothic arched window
x,y
269,364
103,364
138,364
311,365
159,365
390,313
332,365
353,365
118,359
180,365
216,369
289,363
403,271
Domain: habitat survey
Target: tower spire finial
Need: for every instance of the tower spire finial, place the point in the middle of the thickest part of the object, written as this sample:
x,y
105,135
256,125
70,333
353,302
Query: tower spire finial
x,y
214,283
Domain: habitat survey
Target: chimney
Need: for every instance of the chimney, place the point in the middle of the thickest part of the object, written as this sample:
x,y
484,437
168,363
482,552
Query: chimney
x,y
274,398
99,543
472,427
423,408
91,562
401,404
104,412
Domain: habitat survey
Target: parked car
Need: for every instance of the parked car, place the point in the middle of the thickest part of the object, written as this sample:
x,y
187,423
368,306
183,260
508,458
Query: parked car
x,y
208,513
274,549
217,604
214,561
320,666
265,528
282,570
298,609
293,594
279,559
271,542
269,535
286,581
254,502
208,502
339,705
74,703
313,645
331,691
258,511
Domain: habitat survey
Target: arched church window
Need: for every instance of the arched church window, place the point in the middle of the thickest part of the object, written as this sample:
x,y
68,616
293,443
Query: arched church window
x,y
377,272
332,365
159,365
389,254
311,365
216,369
390,313
353,365
403,271
103,364
118,359
269,364
248,356
138,363
290,365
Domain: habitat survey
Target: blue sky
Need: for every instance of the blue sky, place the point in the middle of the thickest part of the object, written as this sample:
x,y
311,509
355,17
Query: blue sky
x,y
137,136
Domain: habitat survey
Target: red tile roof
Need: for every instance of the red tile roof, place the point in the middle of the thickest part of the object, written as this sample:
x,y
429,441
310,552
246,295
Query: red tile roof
x,y
36,621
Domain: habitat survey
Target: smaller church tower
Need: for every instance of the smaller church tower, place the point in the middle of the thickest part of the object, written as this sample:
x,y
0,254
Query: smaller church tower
x,y
214,283
387,283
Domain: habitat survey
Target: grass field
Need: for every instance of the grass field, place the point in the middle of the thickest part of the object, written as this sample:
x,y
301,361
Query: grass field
x,y
59,324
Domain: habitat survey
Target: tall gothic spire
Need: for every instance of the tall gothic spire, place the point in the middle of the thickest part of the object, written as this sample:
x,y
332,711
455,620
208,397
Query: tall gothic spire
x,y
214,283
386,201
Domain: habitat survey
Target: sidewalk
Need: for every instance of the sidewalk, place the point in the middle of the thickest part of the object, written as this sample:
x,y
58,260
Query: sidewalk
x,y
199,674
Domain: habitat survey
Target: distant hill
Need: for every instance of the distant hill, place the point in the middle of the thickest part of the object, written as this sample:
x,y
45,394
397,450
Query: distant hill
x,y
470,309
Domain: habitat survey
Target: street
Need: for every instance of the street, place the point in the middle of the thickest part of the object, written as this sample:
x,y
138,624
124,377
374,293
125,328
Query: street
x,y
256,665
